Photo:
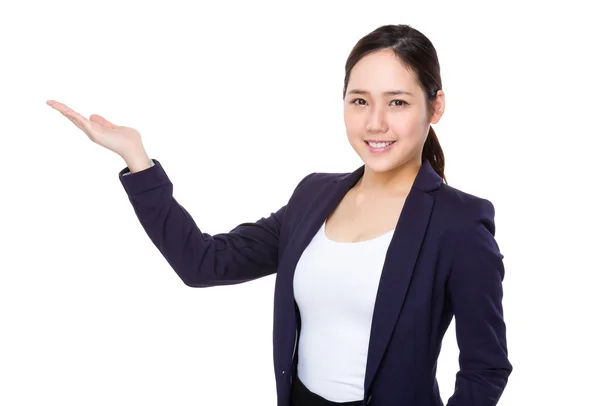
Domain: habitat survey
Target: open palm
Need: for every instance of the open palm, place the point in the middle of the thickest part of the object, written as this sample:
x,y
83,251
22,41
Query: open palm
x,y
119,139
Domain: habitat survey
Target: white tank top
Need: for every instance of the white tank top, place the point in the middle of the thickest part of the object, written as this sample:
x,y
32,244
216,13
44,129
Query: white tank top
x,y
335,285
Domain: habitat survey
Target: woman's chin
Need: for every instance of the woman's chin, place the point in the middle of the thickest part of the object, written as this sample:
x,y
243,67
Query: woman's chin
x,y
379,164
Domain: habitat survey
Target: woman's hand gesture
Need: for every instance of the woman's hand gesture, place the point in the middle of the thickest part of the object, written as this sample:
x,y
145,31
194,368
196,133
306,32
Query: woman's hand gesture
x,y
124,141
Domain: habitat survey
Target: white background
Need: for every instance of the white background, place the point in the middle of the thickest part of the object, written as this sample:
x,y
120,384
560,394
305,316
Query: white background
x,y
239,101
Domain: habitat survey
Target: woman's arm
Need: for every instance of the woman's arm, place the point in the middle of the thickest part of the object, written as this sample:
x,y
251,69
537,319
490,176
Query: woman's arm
x,y
475,289
247,252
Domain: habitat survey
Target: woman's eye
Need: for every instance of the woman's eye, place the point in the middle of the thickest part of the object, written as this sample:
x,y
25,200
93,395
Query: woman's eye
x,y
401,103
355,100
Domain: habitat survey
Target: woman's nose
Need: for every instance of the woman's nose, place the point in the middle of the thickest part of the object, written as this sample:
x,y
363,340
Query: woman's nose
x,y
377,121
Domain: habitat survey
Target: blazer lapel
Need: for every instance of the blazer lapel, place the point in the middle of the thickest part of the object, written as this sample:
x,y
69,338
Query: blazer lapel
x,y
399,265
326,199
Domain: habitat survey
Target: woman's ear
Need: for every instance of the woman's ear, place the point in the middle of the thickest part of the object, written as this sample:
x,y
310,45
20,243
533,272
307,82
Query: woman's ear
x,y
439,104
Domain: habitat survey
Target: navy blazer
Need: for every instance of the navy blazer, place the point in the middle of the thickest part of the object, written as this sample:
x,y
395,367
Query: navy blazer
x,y
443,262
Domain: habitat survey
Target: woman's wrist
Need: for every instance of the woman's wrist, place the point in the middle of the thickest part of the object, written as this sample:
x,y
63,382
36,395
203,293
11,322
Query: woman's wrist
x,y
138,161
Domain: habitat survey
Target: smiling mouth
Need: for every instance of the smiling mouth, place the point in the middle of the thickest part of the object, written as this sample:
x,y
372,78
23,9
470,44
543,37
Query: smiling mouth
x,y
379,145
379,142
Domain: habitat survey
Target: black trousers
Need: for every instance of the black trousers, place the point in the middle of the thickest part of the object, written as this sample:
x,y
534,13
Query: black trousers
x,y
302,396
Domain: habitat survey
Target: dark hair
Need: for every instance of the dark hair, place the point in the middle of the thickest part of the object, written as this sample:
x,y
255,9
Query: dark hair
x,y
417,53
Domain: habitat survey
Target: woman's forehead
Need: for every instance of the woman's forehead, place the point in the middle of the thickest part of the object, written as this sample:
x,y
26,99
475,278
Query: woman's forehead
x,y
382,72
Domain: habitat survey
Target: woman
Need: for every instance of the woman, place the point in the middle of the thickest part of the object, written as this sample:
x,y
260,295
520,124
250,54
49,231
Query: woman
x,y
370,266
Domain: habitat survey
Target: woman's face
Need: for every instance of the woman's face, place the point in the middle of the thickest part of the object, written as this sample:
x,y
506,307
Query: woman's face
x,y
384,103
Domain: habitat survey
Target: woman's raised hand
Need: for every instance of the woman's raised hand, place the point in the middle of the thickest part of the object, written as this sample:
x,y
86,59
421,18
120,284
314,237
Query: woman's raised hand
x,y
124,141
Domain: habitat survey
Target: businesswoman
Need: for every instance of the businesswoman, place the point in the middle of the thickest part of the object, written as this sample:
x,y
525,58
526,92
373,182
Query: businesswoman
x,y
372,265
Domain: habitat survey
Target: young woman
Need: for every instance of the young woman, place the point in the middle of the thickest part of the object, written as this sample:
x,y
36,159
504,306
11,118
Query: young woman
x,y
371,266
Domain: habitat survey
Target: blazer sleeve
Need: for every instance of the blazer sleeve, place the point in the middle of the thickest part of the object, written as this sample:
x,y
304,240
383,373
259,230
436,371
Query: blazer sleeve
x,y
248,252
475,290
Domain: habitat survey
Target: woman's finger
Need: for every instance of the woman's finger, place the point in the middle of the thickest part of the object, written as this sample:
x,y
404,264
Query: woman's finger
x,y
67,111
77,123
59,106
77,119
96,118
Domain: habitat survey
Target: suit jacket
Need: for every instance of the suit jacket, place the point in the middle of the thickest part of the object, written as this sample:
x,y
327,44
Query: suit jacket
x,y
443,262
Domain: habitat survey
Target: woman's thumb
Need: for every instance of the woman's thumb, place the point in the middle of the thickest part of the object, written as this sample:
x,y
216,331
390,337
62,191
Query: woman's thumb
x,y
102,121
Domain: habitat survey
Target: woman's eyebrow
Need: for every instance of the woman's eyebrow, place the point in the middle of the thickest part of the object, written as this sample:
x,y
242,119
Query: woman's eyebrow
x,y
387,93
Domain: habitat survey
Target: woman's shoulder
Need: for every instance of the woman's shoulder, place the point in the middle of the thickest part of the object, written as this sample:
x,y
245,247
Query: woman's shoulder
x,y
461,198
467,210
317,179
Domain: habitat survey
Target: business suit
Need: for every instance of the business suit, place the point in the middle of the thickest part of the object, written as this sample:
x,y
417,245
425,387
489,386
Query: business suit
x,y
443,261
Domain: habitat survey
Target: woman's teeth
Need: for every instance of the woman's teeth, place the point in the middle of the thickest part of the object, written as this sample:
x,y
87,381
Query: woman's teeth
x,y
380,144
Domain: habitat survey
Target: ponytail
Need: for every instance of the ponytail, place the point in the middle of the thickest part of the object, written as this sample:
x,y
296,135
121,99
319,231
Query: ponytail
x,y
432,151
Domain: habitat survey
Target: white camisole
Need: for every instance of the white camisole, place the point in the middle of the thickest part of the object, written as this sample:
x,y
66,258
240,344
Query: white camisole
x,y
335,285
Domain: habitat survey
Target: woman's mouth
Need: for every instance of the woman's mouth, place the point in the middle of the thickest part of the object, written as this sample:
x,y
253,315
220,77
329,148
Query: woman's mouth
x,y
378,147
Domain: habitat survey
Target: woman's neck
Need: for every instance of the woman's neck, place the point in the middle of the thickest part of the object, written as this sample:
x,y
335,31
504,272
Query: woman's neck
x,y
397,181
